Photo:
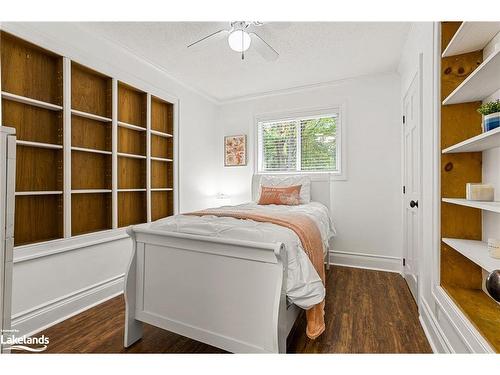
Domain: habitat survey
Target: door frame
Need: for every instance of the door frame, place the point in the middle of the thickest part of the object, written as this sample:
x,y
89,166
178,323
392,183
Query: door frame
x,y
418,74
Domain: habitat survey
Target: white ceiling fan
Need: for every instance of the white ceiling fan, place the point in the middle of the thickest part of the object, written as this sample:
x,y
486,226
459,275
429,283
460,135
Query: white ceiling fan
x,y
240,36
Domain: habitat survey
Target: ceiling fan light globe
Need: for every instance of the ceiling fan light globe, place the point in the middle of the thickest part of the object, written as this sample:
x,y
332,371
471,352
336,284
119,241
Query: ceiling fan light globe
x,y
239,40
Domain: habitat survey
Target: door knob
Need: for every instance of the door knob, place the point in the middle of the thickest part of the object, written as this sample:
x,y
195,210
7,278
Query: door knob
x,y
414,204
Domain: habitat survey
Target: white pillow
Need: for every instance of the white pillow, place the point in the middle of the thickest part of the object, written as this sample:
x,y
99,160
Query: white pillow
x,y
284,181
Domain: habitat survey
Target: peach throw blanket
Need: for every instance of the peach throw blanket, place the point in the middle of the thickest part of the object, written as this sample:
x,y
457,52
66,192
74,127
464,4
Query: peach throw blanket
x,y
310,237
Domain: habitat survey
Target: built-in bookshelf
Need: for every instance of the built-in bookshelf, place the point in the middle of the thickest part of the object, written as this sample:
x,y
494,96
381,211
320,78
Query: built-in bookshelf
x,y
132,170
468,76
162,154
32,97
93,153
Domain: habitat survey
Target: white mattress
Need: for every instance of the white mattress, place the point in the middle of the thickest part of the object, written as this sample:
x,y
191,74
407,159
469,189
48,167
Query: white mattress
x,y
304,286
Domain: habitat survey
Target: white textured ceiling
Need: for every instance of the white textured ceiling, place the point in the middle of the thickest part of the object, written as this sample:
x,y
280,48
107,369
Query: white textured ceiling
x,y
310,53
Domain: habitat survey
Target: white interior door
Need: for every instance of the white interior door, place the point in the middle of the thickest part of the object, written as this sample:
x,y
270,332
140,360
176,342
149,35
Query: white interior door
x,y
411,181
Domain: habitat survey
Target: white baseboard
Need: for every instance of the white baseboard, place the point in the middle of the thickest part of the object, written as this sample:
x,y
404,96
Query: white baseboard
x,y
366,261
34,320
431,329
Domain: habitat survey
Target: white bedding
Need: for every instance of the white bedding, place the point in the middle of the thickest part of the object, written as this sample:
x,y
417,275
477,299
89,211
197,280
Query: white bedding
x,y
304,286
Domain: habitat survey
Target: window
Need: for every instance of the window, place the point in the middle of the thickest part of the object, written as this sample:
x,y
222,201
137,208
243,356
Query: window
x,y
300,144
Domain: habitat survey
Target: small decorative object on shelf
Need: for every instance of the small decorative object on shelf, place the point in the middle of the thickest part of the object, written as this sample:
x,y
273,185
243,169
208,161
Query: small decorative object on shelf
x,y
493,285
491,115
494,247
479,192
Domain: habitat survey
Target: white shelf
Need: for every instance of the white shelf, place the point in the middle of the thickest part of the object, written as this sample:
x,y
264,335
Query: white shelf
x,y
477,251
130,126
33,102
91,150
487,206
471,36
90,116
127,190
160,159
161,134
481,142
41,192
131,155
39,144
162,189
90,191
480,84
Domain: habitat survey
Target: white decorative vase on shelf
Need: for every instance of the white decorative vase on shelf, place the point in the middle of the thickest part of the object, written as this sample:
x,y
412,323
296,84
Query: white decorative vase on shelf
x,y
494,247
491,121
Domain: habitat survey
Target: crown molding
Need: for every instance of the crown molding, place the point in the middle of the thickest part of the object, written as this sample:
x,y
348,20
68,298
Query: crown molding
x,y
309,87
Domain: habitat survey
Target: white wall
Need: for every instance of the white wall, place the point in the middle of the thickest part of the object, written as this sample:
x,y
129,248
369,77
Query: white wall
x,y
46,288
367,205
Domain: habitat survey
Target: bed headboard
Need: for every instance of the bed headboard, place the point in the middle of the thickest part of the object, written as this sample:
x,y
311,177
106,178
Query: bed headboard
x,y
321,188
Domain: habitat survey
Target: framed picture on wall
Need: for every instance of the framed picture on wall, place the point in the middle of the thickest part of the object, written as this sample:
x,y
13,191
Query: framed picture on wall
x,y
235,150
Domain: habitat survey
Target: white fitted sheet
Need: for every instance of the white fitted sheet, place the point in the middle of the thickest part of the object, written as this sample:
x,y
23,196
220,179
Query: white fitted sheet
x,y
304,286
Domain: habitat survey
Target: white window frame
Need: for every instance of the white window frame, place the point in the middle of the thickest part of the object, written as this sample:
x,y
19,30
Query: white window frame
x,y
339,110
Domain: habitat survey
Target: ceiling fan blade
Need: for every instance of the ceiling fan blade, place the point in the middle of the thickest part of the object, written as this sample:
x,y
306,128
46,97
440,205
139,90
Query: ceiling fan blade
x,y
215,35
263,48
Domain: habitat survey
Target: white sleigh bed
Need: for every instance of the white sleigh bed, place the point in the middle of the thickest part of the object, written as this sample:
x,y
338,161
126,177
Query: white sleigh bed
x,y
227,293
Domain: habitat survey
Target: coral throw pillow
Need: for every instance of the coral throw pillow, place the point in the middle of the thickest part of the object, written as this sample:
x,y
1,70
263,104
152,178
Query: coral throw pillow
x,y
289,195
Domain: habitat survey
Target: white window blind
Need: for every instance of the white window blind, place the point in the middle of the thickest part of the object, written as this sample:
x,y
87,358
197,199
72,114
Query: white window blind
x,y
304,144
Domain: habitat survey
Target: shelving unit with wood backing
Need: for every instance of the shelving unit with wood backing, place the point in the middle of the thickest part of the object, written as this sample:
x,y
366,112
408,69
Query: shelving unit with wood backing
x,y
93,153
32,98
162,154
132,157
91,163
467,78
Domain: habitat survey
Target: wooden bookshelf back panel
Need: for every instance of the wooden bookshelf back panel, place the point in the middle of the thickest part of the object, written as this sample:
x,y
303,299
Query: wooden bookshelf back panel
x,y
90,213
161,204
131,173
482,310
161,174
131,141
161,116
90,170
455,69
38,169
131,208
30,71
159,146
38,218
131,105
459,271
90,91
92,134
448,29
170,148
32,123
459,122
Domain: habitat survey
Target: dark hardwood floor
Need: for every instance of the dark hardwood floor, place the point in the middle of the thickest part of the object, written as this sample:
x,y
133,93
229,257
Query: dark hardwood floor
x,y
366,312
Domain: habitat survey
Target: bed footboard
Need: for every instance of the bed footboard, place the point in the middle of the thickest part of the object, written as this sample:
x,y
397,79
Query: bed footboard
x,y
227,293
